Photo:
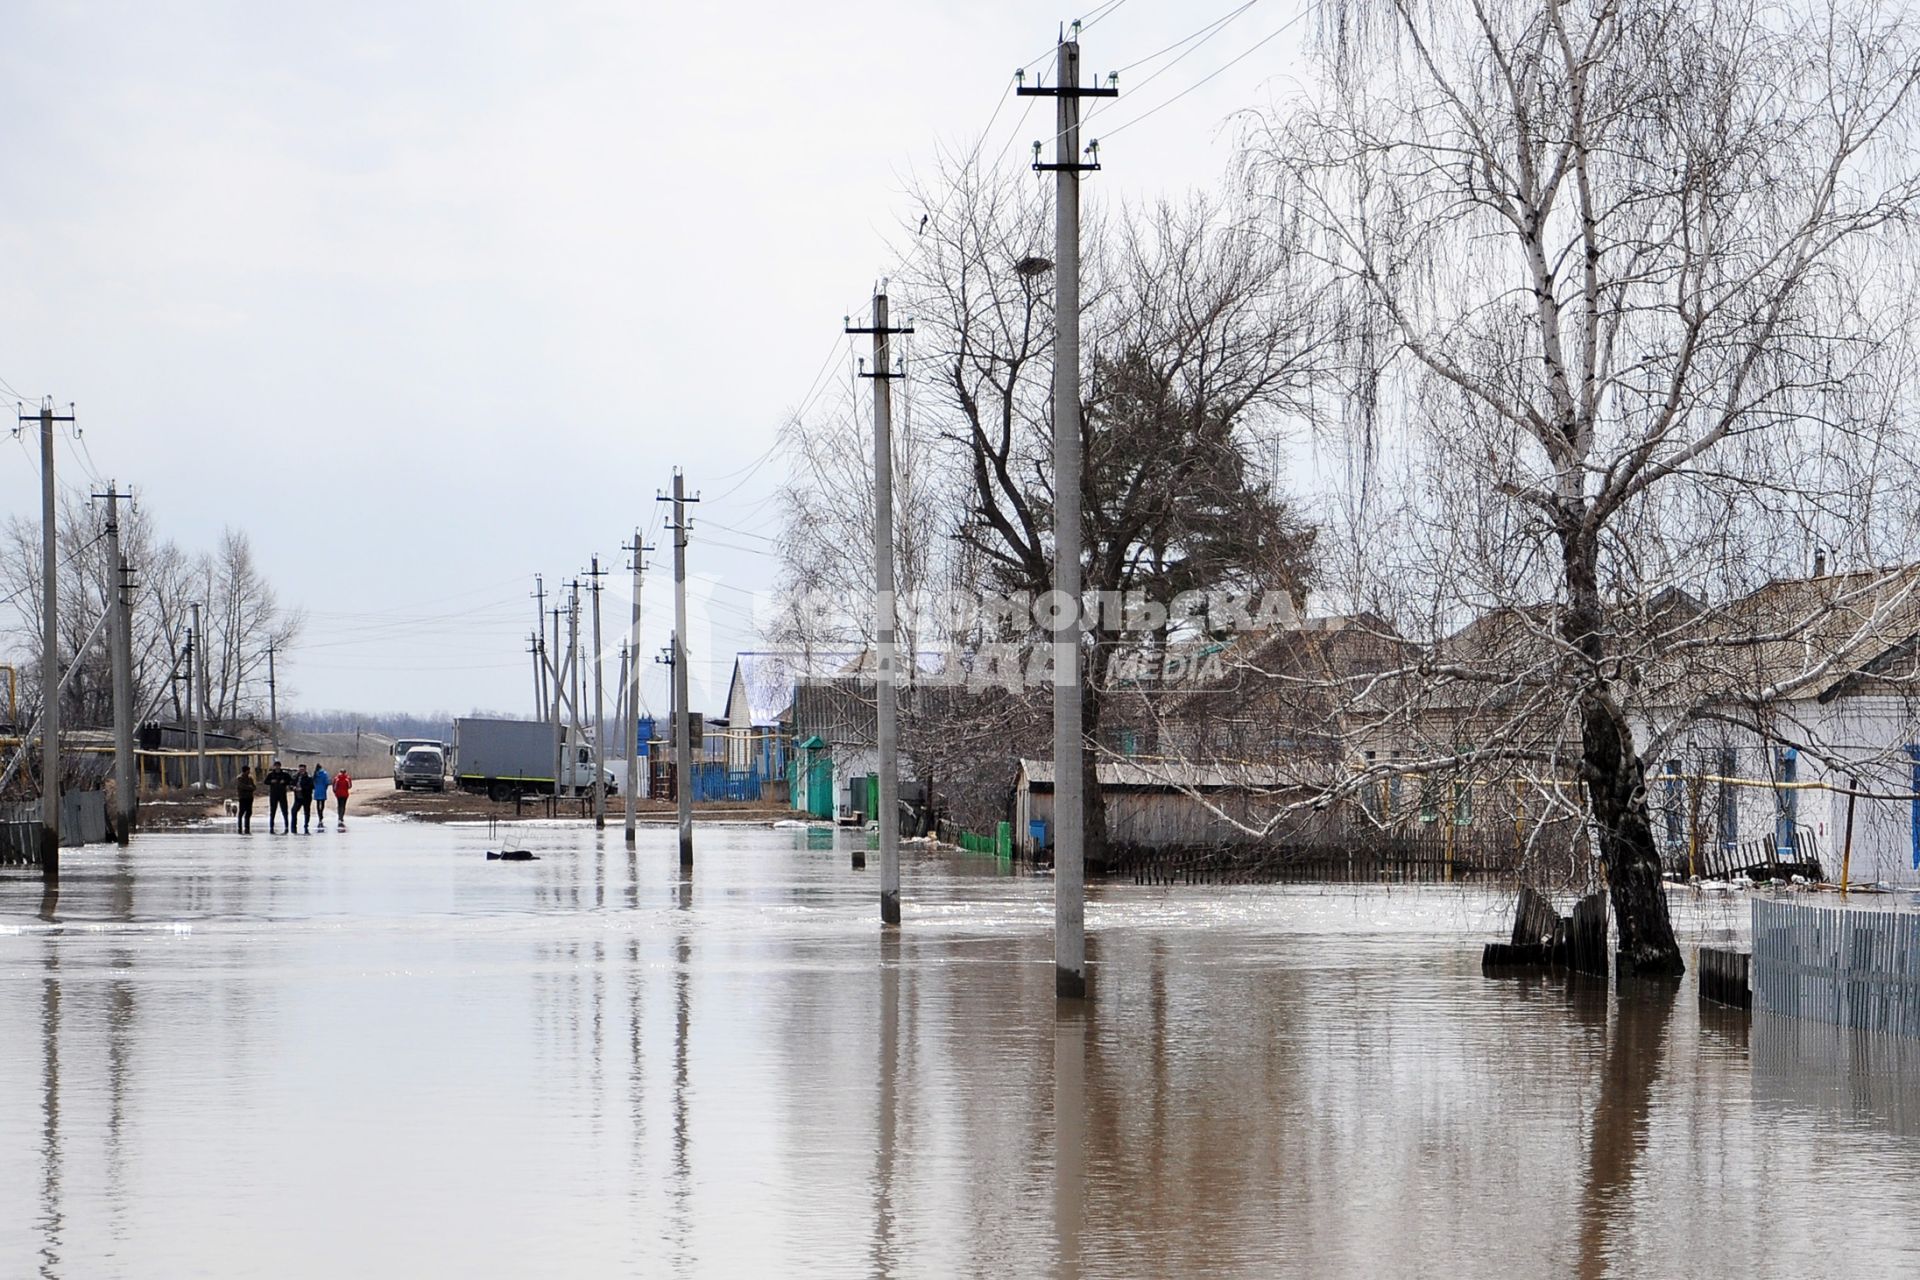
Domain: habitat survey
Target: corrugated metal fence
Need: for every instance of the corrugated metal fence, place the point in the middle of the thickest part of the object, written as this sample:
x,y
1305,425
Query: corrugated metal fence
x,y
1850,966
83,820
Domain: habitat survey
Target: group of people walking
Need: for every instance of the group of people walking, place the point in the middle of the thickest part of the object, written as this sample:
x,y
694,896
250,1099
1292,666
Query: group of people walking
x,y
306,791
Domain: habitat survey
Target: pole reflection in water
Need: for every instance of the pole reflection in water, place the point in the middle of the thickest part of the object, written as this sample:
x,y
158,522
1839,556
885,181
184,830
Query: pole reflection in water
x,y
885,1260
384,1055
1071,1029
682,1213
52,1215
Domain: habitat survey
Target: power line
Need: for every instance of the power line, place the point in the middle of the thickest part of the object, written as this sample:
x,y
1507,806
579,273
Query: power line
x,y
1216,23
1088,21
745,533
1240,57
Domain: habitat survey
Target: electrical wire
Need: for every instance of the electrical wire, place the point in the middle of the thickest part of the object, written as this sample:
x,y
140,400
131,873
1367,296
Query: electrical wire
x,y
744,533
1282,29
1088,22
1217,22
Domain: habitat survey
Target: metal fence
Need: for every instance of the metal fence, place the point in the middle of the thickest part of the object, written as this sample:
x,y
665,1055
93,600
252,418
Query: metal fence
x,y
1850,966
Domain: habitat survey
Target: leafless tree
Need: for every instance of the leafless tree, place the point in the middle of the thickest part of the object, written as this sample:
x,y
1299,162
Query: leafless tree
x,y
240,614
1623,287
1200,344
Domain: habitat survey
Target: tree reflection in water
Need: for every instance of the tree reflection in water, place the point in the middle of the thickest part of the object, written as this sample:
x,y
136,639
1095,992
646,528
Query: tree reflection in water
x,y
1617,1139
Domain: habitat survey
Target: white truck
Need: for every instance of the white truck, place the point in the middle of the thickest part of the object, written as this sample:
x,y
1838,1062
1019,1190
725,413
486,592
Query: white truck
x,y
505,758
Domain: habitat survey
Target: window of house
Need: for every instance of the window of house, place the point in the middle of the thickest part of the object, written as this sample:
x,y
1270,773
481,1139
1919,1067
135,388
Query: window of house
x,y
1429,799
1462,804
1913,805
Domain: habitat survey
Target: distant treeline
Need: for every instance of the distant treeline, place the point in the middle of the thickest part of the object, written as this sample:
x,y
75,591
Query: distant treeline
x,y
392,724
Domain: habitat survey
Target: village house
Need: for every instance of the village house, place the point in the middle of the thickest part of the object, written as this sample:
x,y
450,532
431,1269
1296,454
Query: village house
x,y
1774,708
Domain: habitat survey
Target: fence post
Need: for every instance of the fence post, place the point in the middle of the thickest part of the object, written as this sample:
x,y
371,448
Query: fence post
x,y
1846,848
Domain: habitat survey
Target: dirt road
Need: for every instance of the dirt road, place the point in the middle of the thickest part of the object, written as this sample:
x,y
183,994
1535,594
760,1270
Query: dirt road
x,y
377,795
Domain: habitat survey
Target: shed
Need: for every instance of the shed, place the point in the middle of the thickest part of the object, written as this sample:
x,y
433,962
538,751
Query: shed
x,y
1155,803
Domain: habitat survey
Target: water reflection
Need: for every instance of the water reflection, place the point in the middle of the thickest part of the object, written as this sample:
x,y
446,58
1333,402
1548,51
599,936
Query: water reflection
x,y
52,1214
284,1061
884,1259
1636,1052
681,1218
1070,1033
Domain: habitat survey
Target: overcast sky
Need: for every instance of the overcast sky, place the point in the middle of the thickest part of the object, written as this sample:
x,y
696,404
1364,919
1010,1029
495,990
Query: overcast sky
x,y
430,297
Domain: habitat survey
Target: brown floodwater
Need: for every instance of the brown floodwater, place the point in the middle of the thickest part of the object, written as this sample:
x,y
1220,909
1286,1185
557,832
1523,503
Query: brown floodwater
x,y
375,1053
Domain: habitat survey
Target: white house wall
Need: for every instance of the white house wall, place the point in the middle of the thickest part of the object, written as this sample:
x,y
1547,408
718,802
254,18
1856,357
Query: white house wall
x,y
1870,732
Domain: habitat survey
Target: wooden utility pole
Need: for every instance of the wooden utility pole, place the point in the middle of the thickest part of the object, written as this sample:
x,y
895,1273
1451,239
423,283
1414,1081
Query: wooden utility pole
x,y
886,707
120,646
599,707
1069,782
630,723
49,649
682,728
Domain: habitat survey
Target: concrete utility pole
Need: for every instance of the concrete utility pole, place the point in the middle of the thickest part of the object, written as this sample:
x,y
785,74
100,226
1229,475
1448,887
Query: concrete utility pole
x,y
196,696
49,650
886,675
599,708
120,645
205,704
682,729
273,707
1069,782
539,647
559,737
539,703
573,681
187,675
630,723
620,694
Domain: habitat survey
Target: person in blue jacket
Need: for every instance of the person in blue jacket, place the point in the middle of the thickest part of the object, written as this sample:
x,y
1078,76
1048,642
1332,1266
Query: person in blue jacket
x,y
320,784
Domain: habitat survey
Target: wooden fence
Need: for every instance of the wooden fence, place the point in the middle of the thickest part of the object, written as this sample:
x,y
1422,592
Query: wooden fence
x,y
1417,858
1753,859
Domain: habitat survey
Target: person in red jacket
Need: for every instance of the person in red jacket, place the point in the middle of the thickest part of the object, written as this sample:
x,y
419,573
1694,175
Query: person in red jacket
x,y
342,784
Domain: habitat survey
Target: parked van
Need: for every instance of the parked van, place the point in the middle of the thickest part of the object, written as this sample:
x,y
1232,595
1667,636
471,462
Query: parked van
x,y
421,767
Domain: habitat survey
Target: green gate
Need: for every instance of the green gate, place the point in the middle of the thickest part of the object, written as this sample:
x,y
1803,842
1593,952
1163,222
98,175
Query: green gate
x,y
813,780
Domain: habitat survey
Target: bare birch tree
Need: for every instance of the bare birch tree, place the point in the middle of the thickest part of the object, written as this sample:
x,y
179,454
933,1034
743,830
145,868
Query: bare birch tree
x,y
1615,277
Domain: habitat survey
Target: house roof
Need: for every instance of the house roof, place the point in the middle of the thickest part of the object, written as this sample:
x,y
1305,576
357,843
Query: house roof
x,y
1817,637
766,678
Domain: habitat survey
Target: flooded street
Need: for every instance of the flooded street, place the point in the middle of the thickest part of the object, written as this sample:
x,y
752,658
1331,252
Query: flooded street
x,y
376,1053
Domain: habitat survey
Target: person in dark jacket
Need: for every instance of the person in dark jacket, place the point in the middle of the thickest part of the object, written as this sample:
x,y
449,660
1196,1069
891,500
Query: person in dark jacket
x,y
244,789
302,801
278,780
320,784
